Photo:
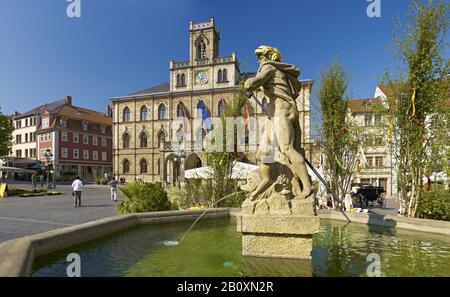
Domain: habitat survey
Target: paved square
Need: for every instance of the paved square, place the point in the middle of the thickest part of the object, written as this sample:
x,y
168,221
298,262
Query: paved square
x,y
26,216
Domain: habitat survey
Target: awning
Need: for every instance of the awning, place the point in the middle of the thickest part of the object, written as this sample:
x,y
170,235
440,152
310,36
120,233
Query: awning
x,y
15,170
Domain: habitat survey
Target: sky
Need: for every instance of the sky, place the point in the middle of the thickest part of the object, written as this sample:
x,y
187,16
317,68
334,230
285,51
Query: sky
x,y
117,47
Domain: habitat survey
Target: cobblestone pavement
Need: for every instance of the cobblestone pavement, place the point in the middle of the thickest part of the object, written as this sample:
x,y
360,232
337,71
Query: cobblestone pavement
x,y
26,216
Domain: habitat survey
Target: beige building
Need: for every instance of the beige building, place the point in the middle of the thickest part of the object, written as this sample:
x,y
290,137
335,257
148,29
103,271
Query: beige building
x,y
143,122
379,169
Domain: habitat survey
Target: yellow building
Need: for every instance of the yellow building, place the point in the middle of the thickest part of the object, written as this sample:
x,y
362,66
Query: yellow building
x,y
142,121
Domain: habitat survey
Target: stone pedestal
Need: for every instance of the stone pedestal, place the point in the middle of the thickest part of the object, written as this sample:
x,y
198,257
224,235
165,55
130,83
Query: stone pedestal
x,y
277,236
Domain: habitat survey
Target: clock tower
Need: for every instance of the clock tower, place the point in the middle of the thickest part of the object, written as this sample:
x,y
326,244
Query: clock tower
x,y
206,69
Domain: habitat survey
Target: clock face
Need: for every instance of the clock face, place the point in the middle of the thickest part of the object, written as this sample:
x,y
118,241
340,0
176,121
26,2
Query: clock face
x,y
201,77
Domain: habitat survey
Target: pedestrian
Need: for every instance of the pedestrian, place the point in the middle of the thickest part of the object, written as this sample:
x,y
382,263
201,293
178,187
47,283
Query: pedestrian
x,y
113,185
77,187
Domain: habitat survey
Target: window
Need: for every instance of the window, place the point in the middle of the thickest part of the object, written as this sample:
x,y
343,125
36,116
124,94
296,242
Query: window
x,y
224,76
104,156
26,125
76,154
378,162
161,111
85,127
103,129
95,155
64,153
64,123
126,114
18,138
143,140
45,122
18,124
180,112
103,141
126,140
64,136
183,80
18,153
33,153
85,155
178,80
94,140
143,166
369,161
75,138
144,113
158,166
26,137
368,120
221,107
219,76
126,166
201,50
85,139
26,153
161,138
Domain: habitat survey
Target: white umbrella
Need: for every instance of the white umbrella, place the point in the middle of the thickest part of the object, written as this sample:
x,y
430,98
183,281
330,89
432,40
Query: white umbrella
x,y
240,170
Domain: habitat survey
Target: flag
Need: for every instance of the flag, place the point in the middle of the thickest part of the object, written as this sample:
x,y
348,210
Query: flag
x,y
186,121
203,113
245,114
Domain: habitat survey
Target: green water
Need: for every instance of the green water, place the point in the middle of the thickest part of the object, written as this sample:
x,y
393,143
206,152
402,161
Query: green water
x,y
213,248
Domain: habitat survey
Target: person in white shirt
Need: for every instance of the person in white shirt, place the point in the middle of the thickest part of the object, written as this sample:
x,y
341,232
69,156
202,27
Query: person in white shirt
x,y
77,187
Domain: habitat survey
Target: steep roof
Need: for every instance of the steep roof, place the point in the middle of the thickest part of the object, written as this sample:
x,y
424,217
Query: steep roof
x,y
81,114
53,105
364,105
161,88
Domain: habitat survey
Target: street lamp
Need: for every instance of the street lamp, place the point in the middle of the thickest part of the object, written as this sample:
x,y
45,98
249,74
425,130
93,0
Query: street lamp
x,y
48,156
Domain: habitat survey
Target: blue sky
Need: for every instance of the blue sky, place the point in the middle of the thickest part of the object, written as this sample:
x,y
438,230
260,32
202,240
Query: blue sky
x,y
120,46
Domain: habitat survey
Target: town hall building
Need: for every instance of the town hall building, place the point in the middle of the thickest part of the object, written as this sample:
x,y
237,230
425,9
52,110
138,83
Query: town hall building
x,y
203,85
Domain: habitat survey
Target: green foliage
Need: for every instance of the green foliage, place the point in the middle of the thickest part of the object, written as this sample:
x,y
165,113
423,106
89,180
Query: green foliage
x,y
419,90
340,136
147,197
101,181
178,197
434,204
6,129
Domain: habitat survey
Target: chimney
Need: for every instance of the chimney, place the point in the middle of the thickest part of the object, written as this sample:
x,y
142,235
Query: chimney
x,y
108,111
69,100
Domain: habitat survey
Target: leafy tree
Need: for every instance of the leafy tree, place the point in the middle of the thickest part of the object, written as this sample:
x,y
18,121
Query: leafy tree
x,y
6,129
419,99
340,136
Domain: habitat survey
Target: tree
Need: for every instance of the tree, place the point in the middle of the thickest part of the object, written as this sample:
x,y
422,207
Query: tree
x,y
340,137
419,99
6,129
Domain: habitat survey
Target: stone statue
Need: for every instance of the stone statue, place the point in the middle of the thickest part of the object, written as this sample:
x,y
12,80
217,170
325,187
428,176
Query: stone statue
x,y
277,218
286,175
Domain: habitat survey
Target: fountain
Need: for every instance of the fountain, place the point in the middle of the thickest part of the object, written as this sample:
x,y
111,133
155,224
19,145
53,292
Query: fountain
x,y
278,218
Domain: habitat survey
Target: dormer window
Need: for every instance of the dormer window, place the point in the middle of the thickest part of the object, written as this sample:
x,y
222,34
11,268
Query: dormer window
x,y
63,122
45,122
201,50
103,129
85,127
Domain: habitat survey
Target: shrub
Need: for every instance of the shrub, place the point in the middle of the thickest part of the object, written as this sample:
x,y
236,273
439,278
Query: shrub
x,y
434,204
178,197
104,181
145,197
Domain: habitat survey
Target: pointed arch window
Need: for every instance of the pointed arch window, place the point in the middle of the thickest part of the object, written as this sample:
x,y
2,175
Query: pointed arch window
x,y
126,116
144,113
143,166
179,111
161,112
143,140
126,166
178,80
161,138
201,50
126,140
221,107
219,76
224,75
183,80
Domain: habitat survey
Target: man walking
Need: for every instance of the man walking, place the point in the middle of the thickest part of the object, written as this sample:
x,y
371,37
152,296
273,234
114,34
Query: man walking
x,y
113,185
77,187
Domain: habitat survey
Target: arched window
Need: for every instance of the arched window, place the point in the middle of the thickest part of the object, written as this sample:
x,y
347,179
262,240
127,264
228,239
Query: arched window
x,y
178,80
179,110
201,50
143,166
126,114
201,109
143,140
161,112
221,107
158,167
264,104
126,166
161,138
126,140
224,75
219,76
144,113
183,80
